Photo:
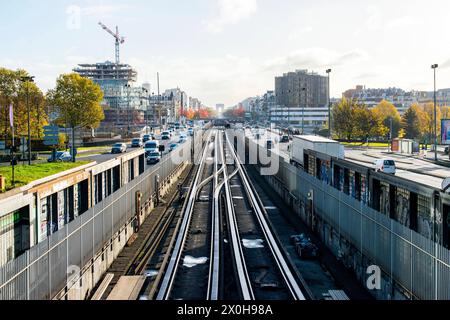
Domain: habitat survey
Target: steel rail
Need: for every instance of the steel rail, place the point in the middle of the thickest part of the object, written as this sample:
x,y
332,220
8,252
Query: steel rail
x,y
283,266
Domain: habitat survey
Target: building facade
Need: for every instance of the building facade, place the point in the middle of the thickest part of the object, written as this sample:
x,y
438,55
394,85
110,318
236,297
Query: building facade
x,y
301,89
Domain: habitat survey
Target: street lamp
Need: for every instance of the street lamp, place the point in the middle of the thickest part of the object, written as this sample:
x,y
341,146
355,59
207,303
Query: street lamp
x,y
128,108
434,67
27,81
303,109
329,105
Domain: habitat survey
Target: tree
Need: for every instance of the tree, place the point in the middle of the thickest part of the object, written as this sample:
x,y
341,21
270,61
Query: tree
x,y
76,101
367,123
445,112
343,115
411,123
14,91
427,122
387,112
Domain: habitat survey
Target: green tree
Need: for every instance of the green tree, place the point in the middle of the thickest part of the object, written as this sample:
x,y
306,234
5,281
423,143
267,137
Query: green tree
x,y
387,112
411,124
343,119
76,101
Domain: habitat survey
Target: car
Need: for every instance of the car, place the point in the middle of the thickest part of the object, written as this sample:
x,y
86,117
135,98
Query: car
x,y
166,133
182,140
119,148
146,138
151,146
285,139
153,158
60,156
165,137
137,143
173,146
386,166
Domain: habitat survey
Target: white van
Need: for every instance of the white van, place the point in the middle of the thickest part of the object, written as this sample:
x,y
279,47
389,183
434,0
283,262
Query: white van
x,y
151,146
386,166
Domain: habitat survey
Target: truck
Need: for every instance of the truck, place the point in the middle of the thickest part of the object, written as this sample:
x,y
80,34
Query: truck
x,y
314,143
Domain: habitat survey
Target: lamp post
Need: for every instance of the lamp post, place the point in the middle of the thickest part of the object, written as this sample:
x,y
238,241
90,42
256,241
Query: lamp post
x,y
303,109
27,81
329,105
128,108
434,67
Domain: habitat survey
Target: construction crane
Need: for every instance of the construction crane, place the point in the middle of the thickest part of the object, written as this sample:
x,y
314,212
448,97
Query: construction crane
x,y
119,40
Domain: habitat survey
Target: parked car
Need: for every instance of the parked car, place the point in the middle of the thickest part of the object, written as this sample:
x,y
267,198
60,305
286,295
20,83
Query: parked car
x,y
119,148
285,139
386,166
173,146
60,156
137,143
153,158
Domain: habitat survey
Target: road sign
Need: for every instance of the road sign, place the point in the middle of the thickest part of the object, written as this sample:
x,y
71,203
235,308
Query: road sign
x,y
51,130
51,137
446,185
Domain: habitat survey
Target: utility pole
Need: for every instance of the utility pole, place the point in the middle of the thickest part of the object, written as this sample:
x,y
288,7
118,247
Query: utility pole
x,y
303,109
434,67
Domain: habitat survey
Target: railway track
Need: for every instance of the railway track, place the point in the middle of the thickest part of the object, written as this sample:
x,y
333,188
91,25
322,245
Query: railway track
x,y
253,264
221,226
193,244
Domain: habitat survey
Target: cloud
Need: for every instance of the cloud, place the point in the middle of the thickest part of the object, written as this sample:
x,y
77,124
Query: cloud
x,y
404,22
314,58
230,12
298,33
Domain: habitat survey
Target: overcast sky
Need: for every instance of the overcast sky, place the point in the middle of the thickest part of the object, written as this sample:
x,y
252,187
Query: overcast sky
x,y
227,50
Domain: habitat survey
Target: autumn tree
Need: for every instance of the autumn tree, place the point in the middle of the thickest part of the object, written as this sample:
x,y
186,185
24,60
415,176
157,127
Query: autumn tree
x,y
427,122
445,112
389,114
14,91
76,101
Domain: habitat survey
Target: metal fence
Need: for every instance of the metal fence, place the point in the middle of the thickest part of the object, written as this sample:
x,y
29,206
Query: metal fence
x,y
414,263
44,270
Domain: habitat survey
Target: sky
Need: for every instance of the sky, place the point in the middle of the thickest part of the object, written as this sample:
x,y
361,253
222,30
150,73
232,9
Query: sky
x,y
223,51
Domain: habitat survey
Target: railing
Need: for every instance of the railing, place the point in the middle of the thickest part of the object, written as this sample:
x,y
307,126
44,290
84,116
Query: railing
x,y
45,270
